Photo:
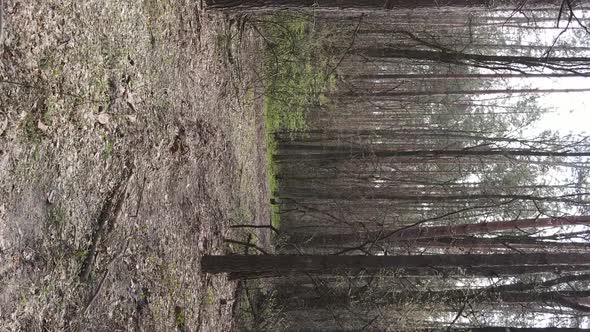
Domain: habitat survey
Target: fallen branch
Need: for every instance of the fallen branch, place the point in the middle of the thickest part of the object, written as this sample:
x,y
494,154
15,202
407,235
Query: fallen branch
x,y
104,277
271,227
108,215
247,244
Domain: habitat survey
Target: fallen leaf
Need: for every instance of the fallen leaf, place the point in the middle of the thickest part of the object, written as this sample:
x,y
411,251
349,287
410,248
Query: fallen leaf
x,y
41,126
51,197
131,106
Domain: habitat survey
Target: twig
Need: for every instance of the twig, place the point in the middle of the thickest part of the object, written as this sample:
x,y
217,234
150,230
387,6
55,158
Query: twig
x,y
139,199
271,227
109,213
104,277
95,295
247,244
345,53
459,313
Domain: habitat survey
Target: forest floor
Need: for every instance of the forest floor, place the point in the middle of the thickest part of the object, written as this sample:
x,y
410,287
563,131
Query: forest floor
x,y
130,142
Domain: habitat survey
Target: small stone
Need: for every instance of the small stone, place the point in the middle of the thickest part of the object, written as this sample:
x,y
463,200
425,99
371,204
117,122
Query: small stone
x,y
103,118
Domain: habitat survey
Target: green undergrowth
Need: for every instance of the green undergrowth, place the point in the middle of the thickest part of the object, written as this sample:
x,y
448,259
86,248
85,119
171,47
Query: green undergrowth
x,y
296,76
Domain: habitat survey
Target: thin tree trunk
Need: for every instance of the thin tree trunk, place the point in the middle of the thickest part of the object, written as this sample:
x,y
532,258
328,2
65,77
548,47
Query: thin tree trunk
x,y
341,298
454,76
519,329
384,195
393,93
390,52
344,4
478,271
577,65
362,4
489,245
354,154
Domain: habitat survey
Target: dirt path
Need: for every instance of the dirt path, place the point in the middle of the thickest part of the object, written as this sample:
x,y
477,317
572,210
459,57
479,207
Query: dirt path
x,y
129,142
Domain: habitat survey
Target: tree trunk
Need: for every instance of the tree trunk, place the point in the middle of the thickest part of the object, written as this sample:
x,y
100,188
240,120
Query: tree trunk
x,y
434,232
343,4
242,265
393,93
457,57
452,76
384,195
356,4
520,329
496,244
519,292
357,154
341,298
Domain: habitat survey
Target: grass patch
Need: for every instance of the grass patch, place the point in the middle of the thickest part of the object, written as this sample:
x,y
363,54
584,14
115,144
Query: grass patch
x,y
179,317
209,297
296,76
57,215
296,71
31,132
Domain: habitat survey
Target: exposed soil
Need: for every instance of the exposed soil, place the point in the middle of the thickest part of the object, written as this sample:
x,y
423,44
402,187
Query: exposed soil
x,y
130,140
